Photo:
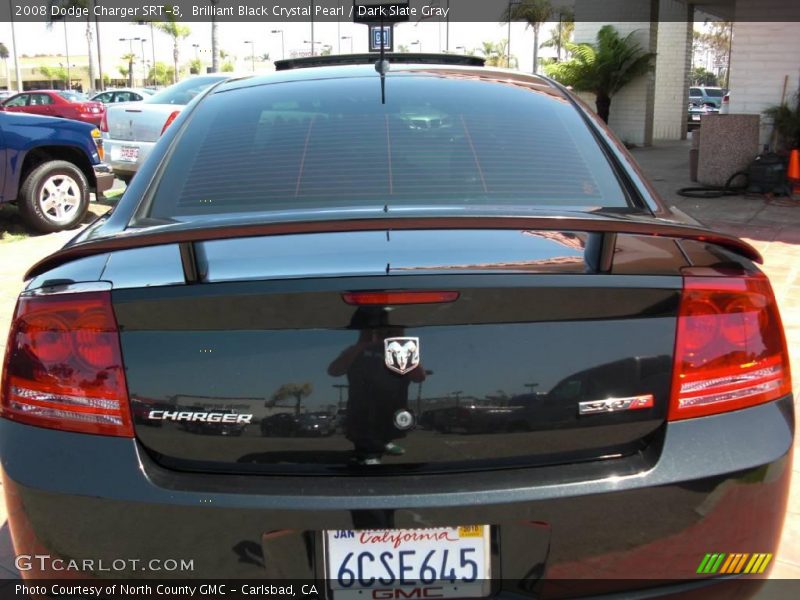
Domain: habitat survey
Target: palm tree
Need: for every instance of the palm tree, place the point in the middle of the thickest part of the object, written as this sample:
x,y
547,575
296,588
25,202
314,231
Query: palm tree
x,y
786,121
81,4
296,391
496,54
131,58
4,57
214,41
534,13
177,32
603,68
161,74
561,34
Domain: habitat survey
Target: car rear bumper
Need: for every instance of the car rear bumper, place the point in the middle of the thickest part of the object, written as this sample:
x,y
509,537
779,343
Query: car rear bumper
x,y
104,178
718,484
114,152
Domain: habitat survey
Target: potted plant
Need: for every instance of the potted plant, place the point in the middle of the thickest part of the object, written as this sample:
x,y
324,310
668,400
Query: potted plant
x,y
786,121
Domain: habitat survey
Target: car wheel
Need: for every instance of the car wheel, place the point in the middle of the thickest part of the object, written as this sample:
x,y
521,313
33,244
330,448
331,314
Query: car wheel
x,y
54,196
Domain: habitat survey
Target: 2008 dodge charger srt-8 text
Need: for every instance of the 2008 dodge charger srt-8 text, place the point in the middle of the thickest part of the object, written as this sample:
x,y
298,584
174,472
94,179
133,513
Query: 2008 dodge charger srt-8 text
x,y
426,328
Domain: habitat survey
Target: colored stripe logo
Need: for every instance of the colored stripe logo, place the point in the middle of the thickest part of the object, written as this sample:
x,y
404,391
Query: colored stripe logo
x,y
734,564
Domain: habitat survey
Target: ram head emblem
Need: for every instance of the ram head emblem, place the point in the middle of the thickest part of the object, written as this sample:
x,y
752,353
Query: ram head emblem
x,y
401,354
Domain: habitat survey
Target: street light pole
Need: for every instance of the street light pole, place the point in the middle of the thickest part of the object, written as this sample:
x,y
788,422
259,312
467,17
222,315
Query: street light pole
x,y
312,27
511,3
66,45
14,44
144,67
153,48
283,45
349,37
252,53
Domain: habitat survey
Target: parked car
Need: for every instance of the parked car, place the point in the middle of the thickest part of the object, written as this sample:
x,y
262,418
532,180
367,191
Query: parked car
x,y
279,425
6,94
132,131
122,95
703,96
296,232
50,166
56,103
316,424
696,113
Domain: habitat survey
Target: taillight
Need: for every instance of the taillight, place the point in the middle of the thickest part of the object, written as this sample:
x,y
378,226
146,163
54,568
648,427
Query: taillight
x,y
390,298
172,116
104,122
730,350
63,367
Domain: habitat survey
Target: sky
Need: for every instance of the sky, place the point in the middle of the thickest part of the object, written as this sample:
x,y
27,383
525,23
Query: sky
x,y
37,38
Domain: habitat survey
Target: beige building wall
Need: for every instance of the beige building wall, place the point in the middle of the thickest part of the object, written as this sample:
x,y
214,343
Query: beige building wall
x,y
632,109
764,57
673,63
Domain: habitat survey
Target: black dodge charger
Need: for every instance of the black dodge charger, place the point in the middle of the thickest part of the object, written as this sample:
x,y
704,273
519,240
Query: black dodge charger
x,y
465,349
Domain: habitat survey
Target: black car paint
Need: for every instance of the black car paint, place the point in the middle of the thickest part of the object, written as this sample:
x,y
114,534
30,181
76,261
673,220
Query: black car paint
x,y
647,515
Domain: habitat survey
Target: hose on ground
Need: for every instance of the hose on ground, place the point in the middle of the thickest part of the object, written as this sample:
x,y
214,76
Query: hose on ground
x,y
712,191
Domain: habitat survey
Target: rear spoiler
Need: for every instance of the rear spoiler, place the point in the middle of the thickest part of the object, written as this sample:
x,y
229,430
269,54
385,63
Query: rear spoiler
x,y
335,60
172,234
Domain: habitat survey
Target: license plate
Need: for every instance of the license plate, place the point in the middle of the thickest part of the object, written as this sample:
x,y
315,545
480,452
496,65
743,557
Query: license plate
x,y
695,117
129,153
387,564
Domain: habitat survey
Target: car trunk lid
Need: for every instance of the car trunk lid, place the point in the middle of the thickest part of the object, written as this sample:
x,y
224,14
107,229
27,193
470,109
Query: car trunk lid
x,y
269,366
138,122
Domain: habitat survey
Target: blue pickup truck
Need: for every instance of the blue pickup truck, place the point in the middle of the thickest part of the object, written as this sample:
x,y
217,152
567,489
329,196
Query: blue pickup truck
x,y
49,166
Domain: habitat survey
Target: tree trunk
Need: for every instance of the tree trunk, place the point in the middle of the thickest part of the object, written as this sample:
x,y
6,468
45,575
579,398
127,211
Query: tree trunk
x,y
535,49
90,55
99,53
130,72
175,62
603,104
214,45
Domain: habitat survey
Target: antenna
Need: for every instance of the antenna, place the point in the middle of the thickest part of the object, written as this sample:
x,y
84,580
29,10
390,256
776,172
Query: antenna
x,y
382,66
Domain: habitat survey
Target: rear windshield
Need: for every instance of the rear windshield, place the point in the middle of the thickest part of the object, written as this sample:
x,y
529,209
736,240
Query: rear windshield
x,y
332,144
714,93
72,96
183,92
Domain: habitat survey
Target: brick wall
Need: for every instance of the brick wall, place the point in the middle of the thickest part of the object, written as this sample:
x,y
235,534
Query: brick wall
x,y
632,108
673,62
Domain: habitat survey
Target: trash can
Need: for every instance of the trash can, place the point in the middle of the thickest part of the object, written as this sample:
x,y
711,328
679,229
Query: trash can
x,y
727,145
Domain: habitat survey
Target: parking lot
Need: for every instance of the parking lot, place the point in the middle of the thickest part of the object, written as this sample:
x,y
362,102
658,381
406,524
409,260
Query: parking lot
x,y
771,225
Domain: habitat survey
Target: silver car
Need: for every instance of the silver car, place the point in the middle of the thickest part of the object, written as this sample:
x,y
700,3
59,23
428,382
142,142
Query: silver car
x,y
123,95
131,130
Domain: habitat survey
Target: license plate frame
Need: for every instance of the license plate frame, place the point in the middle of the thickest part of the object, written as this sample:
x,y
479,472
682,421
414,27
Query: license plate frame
x,y
129,154
479,536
